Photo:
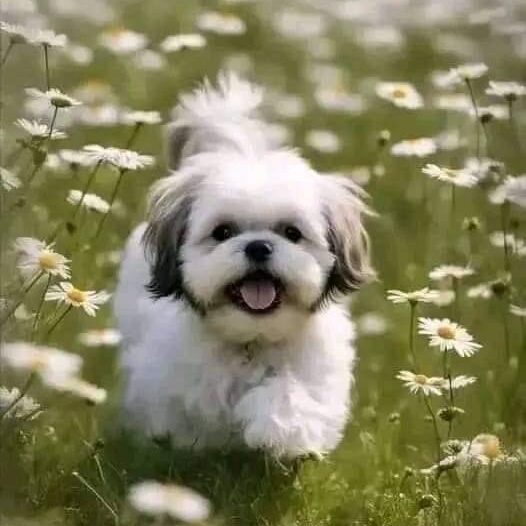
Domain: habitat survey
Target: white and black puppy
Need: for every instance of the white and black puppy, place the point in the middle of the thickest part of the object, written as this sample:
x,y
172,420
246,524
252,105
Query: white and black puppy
x,y
230,297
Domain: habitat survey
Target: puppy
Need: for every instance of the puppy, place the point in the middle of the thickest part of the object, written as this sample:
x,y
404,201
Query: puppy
x,y
230,296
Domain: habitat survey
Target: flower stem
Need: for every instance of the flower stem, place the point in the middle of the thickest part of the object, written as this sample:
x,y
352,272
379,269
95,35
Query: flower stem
x,y
57,321
438,440
53,120
506,328
7,52
447,375
412,315
39,309
456,289
111,201
513,126
99,497
133,136
78,205
477,121
46,60
504,213
20,395
25,290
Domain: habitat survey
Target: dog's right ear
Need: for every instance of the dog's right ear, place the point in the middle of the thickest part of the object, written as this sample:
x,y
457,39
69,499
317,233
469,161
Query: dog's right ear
x,y
169,208
176,138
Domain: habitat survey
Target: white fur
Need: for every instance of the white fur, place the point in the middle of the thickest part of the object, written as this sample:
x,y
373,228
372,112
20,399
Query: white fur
x,y
279,381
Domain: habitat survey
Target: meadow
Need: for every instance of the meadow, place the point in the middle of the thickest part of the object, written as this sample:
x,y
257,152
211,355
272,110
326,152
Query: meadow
x,y
421,103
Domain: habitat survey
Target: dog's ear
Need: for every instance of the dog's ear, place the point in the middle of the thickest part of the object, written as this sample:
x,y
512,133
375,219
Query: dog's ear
x,y
348,240
176,138
169,208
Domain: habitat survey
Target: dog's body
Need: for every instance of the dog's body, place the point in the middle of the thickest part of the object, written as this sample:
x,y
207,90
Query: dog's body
x,y
230,296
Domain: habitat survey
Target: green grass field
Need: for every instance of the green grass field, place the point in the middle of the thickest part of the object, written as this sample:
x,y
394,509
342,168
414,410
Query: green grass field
x,y
320,63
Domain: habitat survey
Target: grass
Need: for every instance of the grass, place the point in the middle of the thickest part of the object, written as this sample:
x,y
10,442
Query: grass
x,y
73,465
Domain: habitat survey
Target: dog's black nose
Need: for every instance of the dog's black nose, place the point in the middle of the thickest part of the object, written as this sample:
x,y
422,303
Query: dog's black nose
x,y
258,250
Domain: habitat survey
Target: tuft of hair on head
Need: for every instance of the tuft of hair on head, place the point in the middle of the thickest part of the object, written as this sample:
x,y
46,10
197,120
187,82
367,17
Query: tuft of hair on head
x,y
216,116
231,98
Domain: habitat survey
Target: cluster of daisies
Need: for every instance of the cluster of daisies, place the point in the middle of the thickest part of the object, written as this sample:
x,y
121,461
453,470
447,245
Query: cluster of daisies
x,y
447,336
40,266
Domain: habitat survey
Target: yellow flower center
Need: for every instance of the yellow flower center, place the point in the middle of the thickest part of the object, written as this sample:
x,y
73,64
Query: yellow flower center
x,y
399,93
47,260
446,332
491,448
76,295
421,379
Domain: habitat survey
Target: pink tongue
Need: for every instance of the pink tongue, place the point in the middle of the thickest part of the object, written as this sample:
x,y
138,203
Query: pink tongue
x,y
258,295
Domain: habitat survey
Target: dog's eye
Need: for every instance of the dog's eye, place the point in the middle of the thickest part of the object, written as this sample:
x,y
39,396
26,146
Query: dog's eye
x,y
223,232
292,233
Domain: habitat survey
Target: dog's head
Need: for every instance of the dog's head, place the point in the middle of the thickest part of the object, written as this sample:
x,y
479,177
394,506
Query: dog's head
x,y
255,245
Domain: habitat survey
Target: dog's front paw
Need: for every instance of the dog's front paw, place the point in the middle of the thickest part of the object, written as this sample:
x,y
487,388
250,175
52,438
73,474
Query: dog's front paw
x,y
287,426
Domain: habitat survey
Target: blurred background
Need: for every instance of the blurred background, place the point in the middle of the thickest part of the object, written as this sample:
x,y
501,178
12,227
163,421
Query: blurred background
x,y
320,62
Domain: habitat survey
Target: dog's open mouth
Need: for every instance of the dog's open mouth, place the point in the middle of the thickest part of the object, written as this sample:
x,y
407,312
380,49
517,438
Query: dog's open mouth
x,y
258,293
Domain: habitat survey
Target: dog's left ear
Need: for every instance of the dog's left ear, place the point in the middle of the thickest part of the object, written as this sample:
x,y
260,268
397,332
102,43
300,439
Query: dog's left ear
x,y
348,240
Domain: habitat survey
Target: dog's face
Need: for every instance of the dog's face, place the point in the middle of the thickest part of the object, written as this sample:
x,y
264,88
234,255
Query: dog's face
x,y
255,245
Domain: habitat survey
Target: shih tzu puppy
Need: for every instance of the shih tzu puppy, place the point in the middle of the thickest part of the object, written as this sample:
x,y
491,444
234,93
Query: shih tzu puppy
x,y
231,295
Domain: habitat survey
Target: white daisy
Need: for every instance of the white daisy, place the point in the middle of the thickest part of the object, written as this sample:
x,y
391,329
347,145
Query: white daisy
x,y
221,23
88,300
401,94
482,291
484,448
467,72
91,202
514,189
484,168
324,141
453,102
79,387
518,311
8,180
38,130
450,271
497,112
174,43
122,41
100,337
48,38
75,158
448,336
499,239
54,97
444,298
141,117
25,407
99,115
507,90
424,295
52,365
458,382
149,60
287,105
421,147
460,177
337,98
35,256
180,503
420,383
449,140
130,160
371,324
17,34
